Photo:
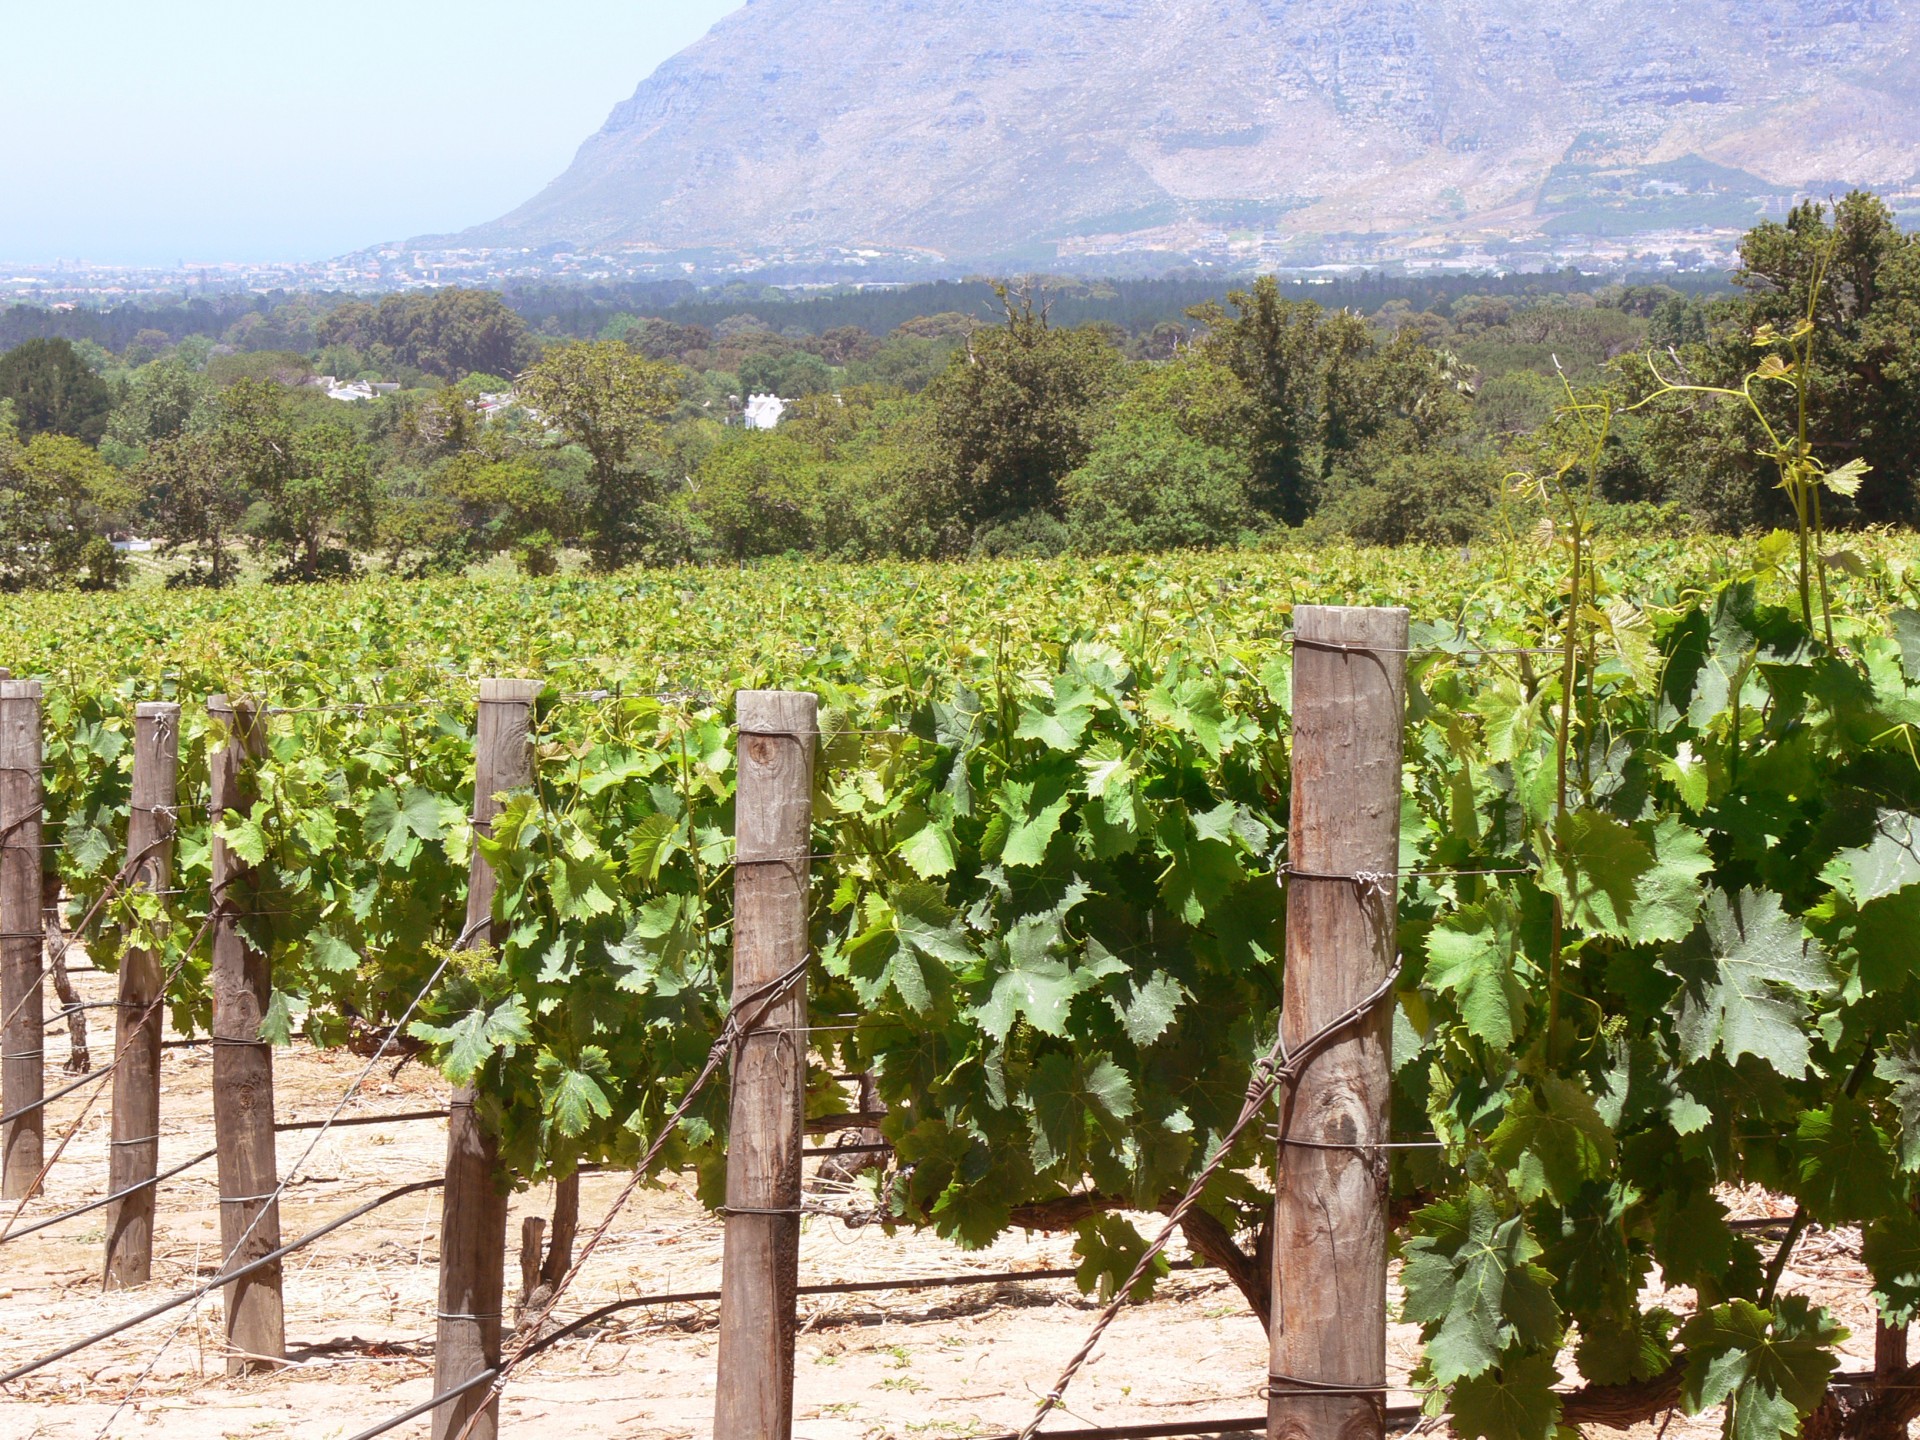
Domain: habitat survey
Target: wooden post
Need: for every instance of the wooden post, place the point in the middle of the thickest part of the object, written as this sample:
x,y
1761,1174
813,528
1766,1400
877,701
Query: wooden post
x,y
566,1225
134,1158
243,1063
473,1214
760,1268
22,938
1329,1324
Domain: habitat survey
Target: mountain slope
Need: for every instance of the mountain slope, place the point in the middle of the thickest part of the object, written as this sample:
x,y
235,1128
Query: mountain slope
x,y
980,129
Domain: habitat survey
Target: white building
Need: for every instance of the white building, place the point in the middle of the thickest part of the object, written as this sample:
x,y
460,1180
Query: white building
x,y
764,411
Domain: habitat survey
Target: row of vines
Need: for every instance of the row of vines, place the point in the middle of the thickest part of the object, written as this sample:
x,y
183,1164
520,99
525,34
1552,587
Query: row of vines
x,y
1660,918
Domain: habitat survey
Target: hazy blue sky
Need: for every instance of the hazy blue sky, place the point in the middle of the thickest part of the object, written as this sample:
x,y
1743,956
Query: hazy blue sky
x,y
152,131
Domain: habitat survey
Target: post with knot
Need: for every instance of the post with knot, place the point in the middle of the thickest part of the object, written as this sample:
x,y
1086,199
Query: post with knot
x,y
242,1057
1329,1320
760,1267
473,1207
134,1157
22,941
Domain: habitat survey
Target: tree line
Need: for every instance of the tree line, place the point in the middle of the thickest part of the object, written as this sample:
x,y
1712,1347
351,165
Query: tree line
x,y
1255,418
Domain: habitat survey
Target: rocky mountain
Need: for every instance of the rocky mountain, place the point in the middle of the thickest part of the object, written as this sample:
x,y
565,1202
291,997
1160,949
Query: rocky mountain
x,y
1001,128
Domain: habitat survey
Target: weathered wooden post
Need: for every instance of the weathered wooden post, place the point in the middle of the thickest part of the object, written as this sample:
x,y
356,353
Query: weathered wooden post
x,y
473,1214
134,1157
1329,1326
760,1269
243,1061
22,939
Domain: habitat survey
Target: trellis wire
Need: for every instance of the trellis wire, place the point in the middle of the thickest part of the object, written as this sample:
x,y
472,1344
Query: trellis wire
x,y
1276,1068
466,937
47,1221
225,1278
730,1031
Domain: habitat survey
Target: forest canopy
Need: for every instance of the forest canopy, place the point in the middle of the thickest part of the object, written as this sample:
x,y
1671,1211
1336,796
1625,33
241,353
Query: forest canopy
x,y
312,437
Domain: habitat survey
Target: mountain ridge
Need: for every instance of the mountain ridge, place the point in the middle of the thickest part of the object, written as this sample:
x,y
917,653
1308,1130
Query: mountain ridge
x,y
1072,125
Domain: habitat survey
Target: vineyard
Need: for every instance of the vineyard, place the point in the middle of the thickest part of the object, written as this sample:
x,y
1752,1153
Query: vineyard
x,y
1651,1018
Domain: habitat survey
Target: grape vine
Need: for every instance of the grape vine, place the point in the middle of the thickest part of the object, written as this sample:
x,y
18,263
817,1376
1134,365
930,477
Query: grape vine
x,y
1661,916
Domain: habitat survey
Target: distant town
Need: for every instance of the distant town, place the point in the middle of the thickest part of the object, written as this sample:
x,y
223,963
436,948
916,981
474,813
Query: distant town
x,y
395,268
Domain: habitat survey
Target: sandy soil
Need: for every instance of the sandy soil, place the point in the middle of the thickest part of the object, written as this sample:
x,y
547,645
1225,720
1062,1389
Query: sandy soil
x,y
940,1364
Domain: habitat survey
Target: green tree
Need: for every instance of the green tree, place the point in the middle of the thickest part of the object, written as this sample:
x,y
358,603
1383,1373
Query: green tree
x,y
1387,496
512,502
317,506
796,373
1857,274
1018,410
610,402
449,333
54,392
158,404
758,494
201,483
1148,485
1280,352
58,502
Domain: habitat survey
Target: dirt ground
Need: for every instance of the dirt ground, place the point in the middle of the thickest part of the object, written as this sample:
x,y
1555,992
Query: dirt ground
x,y
970,1361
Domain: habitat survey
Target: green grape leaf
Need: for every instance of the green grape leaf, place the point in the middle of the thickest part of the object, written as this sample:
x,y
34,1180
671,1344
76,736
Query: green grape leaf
x,y
1619,1352
332,954
1890,863
396,822
1037,983
1847,479
1552,1142
1060,723
1512,720
1595,867
1846,1164
89,847
1109,1247
956,723
929,851
1194,708
276,1026
1068,1091
1200,873
924,921
1891,1250
1472,955
476,1037
1514,1402
1148,1013
245,838
1470,1281
651,843
1906,628
1034,815
907,931
1667,898
1743,996
1105,768
1687,772
1691,1240
1899,1067
572,1097
1773,1368
652,956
